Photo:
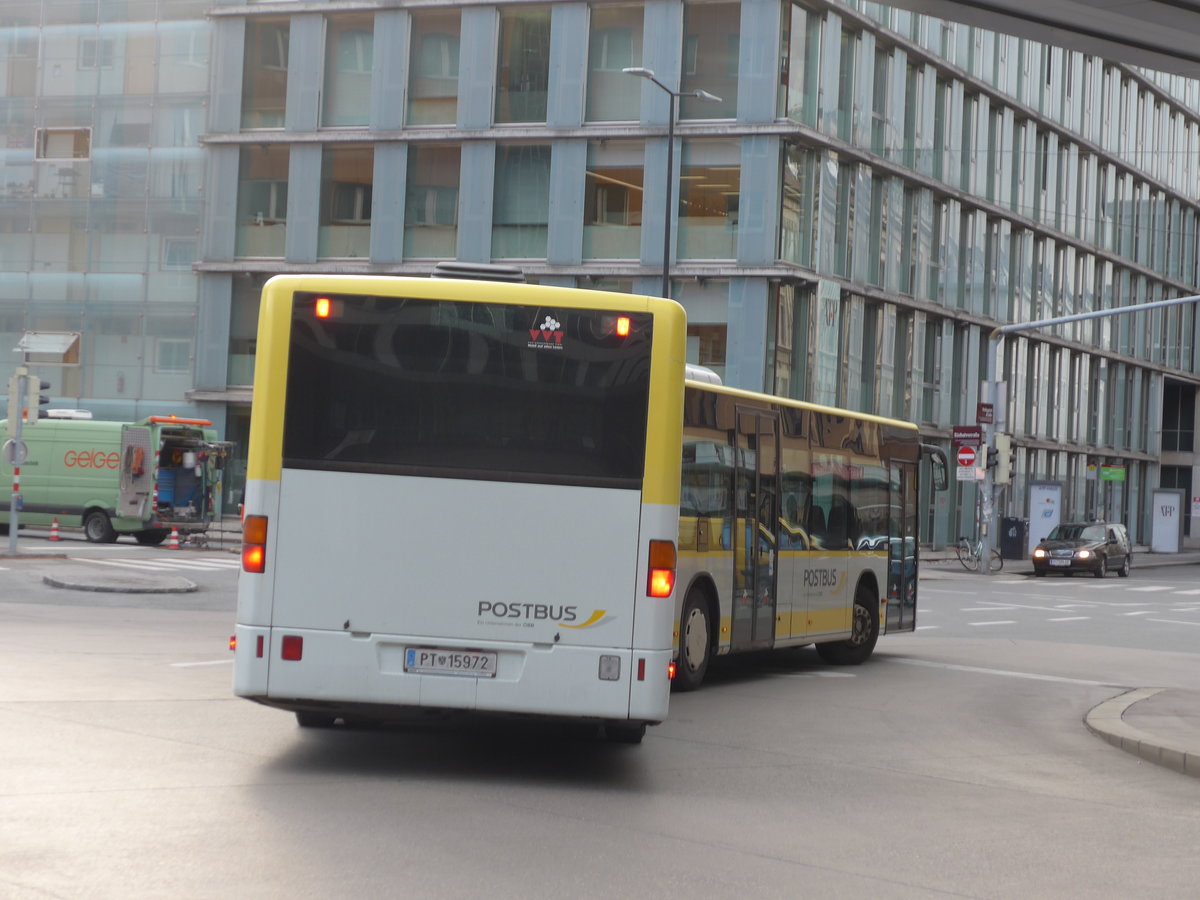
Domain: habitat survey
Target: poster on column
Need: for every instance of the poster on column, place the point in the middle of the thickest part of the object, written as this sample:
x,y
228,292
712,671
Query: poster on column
x,y
1045,510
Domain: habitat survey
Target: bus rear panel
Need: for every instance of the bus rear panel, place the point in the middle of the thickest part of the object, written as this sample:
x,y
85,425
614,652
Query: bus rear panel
x,y
456,487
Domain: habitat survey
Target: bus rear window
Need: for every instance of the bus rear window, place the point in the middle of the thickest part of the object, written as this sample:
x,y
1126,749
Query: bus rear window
x,y
467,390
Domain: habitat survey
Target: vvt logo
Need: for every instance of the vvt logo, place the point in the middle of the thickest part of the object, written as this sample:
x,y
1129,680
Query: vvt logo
x,y
548,337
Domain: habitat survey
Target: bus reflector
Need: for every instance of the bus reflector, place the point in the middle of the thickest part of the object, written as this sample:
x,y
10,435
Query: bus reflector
x,y
293,647
254,544
661,579
671,670
233,642
622,326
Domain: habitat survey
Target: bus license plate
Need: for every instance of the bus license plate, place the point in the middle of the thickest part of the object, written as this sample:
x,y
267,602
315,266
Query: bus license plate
x,y
1060,562
440,661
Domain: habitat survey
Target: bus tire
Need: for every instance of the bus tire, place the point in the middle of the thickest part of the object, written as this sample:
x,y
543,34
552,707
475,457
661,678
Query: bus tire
x,y
308,719
151,537
97,528
695,641
625,732
864,632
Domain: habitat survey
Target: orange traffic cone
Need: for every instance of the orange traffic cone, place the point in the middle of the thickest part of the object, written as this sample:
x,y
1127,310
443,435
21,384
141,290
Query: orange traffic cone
x,y
54,530
174,544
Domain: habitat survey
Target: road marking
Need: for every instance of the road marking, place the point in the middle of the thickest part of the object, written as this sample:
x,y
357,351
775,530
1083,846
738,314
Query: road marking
x,y
1152,588
1069,619
1000,622
211,662
1190,593
927,627
1002,672
985,608
1139,612
1172,621
814,674
126,564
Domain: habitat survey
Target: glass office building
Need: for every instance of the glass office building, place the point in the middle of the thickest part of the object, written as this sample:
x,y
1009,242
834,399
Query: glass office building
x,y
873,194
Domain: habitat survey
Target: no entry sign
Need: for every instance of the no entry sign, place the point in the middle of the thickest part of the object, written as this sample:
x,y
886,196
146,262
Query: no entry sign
x,y
966,455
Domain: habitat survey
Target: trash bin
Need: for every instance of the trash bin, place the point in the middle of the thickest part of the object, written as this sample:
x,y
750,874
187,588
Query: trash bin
x,y
1014,538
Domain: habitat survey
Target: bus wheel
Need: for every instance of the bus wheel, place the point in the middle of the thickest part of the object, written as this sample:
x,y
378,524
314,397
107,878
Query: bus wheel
x,y
153,537
625,732
695,642
307,719
863,633
97,528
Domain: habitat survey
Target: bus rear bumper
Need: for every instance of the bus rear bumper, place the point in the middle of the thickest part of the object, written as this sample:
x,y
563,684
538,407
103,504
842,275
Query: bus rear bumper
x,y
344,670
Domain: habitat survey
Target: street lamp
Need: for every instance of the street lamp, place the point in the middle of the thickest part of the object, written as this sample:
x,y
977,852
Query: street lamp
x,y
648,74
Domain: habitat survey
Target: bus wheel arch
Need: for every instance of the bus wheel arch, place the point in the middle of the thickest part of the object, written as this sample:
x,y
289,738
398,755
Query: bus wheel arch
x,y
864,629
97,527
697,634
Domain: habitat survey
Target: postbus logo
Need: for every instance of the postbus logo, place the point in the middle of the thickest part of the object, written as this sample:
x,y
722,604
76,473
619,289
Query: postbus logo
x,y
91,459
547,337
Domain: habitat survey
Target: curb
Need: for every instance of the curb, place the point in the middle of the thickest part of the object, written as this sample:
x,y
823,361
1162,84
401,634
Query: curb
x,y
100,585
1106,721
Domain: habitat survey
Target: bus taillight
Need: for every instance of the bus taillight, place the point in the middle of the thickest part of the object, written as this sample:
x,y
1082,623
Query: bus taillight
x,y
254,544
661,580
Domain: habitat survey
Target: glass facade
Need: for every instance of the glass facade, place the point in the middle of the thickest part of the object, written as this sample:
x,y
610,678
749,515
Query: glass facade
x,y
849,222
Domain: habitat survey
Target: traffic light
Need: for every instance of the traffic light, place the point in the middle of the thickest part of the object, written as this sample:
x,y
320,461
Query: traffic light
x,y
992,457
1005,456
35,399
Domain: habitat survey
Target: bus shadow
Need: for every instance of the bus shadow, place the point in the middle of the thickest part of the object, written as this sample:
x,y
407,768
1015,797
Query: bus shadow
x,y
465,748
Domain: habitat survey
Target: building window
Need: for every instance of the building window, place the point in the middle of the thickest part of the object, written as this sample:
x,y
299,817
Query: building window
x,y
615,43
710,59
433,76
613,200
1178,418
262,201
64,143
346,178
431,201
264,91
523,64
95,53
709,191
172,356
349,48
521,209
178,254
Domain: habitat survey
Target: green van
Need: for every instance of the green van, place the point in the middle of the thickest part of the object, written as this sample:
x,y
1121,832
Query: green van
x,y
112,478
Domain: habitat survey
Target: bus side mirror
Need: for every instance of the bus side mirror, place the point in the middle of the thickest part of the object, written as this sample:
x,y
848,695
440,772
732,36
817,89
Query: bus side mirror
x,y
938,467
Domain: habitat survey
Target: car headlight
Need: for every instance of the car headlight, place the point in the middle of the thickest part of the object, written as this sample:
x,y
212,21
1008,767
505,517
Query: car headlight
x,y
1039,553
1084,554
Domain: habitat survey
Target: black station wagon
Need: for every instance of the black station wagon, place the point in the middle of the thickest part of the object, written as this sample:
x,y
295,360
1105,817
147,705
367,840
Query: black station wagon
x,y
1096,547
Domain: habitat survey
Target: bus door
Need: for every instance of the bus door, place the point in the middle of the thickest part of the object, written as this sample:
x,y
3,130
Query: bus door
x,y
756,523
902,546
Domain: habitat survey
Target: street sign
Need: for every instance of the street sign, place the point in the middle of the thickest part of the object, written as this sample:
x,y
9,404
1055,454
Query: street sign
x,y
966,434
985,413
966,455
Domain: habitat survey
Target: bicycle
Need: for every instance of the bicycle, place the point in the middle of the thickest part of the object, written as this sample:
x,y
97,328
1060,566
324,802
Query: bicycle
x,y
970,554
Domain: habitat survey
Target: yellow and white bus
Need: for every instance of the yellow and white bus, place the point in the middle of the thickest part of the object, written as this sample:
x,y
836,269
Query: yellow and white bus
x,y
798,525
491,496
461,494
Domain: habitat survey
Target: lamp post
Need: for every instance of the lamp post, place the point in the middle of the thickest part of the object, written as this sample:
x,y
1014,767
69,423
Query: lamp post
x,y
648,74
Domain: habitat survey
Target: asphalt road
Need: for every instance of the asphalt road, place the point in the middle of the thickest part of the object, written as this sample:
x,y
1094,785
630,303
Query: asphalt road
x,y
955,763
